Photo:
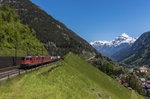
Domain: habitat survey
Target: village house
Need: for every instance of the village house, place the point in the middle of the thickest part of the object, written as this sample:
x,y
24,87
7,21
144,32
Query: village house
x,y
143,69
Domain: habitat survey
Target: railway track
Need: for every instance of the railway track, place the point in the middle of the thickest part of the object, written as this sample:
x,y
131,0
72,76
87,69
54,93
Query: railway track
x,y
8,68
6,74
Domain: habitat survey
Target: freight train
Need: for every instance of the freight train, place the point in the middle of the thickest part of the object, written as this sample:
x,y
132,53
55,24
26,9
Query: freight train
x,y
31,61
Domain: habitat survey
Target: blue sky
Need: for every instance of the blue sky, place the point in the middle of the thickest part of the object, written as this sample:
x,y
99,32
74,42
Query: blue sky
x,y
100,19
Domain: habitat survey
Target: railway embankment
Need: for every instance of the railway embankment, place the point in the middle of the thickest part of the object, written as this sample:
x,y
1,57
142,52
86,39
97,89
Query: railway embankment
x,y
7,73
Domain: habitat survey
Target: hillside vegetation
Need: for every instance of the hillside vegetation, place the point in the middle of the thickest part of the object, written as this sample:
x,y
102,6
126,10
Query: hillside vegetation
x,y
15,36
57,38
73,79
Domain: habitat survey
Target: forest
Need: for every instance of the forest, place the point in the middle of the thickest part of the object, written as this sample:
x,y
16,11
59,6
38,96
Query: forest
x,y
17,39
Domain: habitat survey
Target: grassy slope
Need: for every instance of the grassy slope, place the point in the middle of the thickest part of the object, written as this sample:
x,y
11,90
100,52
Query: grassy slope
x,y
75,79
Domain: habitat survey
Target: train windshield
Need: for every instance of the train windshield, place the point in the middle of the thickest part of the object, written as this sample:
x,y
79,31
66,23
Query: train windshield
x,y
27,59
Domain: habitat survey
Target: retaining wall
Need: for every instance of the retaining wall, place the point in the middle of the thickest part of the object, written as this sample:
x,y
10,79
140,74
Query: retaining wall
x,y
9,61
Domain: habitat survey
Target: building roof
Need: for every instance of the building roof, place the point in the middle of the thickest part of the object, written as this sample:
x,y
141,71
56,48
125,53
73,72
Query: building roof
x,y
143,68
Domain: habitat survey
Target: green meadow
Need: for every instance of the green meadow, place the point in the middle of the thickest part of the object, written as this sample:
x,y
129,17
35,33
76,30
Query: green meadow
x,y
74,78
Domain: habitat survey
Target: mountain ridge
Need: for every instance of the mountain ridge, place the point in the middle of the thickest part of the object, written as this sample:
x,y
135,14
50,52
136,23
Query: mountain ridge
x,y
138,53
108,48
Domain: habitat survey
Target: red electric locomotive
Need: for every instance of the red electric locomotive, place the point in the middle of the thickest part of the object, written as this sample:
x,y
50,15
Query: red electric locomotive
x,y
29,61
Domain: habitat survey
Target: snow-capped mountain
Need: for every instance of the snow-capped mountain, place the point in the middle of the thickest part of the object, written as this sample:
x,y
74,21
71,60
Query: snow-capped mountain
x,y
108,48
